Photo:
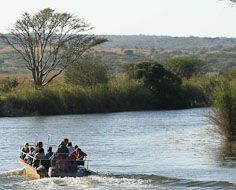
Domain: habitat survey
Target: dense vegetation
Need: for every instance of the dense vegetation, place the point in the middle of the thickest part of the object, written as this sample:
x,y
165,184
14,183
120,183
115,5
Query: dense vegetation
x,y
144,86
164,85
175,80
90,84
118,95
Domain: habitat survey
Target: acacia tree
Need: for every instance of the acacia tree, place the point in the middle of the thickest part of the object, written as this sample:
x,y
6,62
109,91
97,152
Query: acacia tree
x,y
49,41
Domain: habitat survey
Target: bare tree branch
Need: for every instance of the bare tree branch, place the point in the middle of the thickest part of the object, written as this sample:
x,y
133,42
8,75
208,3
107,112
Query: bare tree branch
x,y
49,41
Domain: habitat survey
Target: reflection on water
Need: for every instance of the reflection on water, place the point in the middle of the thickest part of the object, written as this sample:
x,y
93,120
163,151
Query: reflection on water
x,y
130,150
228,154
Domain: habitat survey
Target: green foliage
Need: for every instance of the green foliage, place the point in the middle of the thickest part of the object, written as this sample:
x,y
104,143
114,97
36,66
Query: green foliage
x,y
8,84
224,110
185,67
74,99
201,88
153,75
131,94
120,94
165,85
86,72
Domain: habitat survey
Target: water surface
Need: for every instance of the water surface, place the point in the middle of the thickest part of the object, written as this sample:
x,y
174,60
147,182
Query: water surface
x,y
130,150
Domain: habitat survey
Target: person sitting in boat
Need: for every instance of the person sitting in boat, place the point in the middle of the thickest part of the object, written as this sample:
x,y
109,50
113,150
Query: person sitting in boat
x,y
24,150
70,147
63,150
38,148
39,158
30,155
49,153
74,154
78,155
81,154
48,157
66,141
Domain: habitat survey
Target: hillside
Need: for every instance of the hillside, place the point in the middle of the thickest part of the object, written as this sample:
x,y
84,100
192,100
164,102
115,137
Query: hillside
x,y
218,53
167,42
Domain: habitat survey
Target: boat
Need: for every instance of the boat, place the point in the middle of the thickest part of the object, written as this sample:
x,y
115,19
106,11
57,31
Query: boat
x,y
59,165
32,172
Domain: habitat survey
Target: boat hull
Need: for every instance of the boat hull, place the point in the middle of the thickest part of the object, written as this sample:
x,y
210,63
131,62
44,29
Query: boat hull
x,y
32,172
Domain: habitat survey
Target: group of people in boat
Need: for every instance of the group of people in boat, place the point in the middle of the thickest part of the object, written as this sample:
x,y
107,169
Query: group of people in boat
x,y
35,155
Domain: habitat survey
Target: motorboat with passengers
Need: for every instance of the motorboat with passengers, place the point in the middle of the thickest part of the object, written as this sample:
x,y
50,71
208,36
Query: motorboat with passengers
x,y
59,164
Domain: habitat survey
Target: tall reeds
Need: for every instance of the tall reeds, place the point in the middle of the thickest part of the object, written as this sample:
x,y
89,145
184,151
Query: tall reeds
x,y
224,110
119,95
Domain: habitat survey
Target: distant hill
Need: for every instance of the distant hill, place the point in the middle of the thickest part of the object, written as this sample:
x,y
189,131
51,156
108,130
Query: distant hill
x,y
164,42
167,42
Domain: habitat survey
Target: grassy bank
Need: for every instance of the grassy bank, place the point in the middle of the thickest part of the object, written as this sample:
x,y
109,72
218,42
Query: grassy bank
x,y
69,99
120,94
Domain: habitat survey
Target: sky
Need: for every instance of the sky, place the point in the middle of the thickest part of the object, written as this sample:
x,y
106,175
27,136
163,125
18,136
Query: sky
x,y
204,18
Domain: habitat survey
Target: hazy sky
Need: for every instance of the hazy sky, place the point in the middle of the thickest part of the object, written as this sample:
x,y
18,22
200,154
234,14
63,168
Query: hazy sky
x,y
151,17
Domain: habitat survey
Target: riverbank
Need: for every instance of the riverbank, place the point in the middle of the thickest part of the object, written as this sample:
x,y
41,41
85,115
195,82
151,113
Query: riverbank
x,y
70,99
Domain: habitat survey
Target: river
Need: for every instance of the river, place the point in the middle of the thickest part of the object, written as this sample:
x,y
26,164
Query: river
x,y
129,150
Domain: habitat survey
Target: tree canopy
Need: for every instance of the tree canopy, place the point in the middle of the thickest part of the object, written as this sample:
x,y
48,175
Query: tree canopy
x,y
185,67
49,41
153,75
87,71
165,85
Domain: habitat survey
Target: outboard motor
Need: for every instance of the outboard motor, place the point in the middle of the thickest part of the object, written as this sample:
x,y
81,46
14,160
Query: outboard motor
x,y
81,171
